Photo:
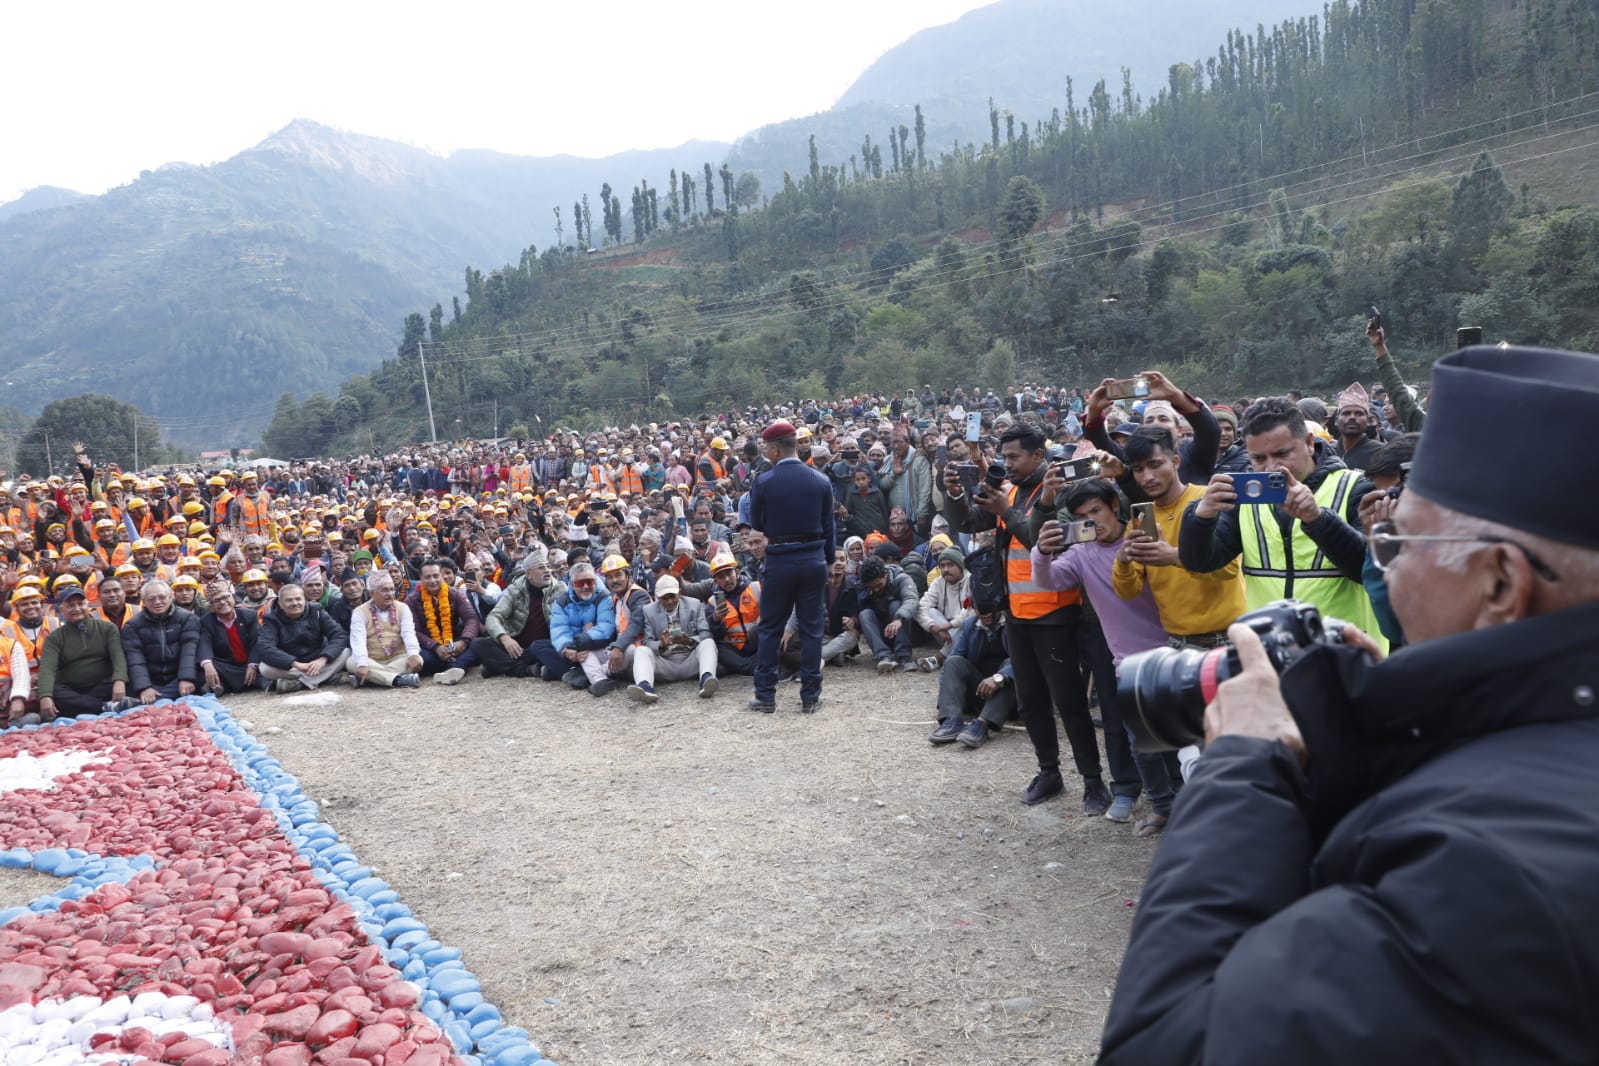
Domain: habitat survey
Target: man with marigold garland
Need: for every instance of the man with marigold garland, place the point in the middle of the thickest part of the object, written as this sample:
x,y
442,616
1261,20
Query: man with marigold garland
x,y
446,625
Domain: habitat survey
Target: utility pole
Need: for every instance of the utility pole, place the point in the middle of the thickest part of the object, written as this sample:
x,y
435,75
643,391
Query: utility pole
x,y
135,440
49,463
427,393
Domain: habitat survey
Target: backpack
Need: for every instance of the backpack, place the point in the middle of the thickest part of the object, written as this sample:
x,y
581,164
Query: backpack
x,y
987,574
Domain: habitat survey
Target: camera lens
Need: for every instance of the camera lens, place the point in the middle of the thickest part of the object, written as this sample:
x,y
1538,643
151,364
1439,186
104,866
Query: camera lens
x,y
996,475
1162,694
1252,489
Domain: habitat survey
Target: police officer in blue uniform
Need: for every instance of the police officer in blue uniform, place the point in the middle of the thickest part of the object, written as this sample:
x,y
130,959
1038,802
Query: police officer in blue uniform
x,y
793,505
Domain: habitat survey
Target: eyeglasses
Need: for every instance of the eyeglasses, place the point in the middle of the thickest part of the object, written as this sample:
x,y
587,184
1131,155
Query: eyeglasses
x,y
580,584
1385,545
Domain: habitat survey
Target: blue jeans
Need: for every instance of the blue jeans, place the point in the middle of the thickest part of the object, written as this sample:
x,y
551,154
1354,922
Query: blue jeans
x,y
791,584
899,648
432,663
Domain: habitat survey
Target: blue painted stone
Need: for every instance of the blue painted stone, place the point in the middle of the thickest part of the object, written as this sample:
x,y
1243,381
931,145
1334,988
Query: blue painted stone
x,y
463,1003
517,1056
10,913
482,1012
458,1033
434,1010
483,1028
449,983
390,911
16,858
421,950
408,940
367,885
414,970
438,955
378,899
49,860
403,924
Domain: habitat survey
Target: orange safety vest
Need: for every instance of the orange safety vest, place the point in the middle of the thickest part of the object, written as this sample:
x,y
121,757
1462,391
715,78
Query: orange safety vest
x,y
128,611
718,472
6,644
741,618
219,508
619,603
521,478
254,515
33,647
1028,600
112,558
628,480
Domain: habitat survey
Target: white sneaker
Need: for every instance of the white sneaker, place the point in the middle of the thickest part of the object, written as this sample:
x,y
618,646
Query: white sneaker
x,y
452,676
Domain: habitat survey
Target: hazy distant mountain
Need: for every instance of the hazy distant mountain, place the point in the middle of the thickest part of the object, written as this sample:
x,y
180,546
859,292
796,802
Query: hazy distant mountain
x,y
42,198
1020,53
201,293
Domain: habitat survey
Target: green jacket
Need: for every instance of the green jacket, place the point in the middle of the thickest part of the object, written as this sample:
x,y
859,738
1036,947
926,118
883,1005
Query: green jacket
x,y
1411,416
82,659
510,613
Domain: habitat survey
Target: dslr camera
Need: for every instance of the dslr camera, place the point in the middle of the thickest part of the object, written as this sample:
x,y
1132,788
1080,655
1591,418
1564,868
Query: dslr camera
x,y
1163,692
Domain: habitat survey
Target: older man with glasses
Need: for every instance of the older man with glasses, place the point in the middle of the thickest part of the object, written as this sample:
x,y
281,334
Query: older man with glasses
x,y
1393,860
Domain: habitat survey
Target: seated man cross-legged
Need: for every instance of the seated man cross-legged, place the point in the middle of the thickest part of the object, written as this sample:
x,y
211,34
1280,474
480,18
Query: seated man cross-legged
x,y
677,644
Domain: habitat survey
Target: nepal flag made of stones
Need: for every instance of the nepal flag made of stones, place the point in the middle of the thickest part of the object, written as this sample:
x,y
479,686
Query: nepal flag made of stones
x,y
207,915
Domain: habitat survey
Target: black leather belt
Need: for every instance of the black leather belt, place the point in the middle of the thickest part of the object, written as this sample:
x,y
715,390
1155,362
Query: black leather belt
x,y
795,538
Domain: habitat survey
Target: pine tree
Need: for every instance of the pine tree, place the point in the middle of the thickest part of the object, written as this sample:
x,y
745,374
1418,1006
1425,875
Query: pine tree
x,y
921,140
710,190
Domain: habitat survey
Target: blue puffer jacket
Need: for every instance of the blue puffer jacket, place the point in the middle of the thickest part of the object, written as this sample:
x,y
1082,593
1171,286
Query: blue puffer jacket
x,y
569,615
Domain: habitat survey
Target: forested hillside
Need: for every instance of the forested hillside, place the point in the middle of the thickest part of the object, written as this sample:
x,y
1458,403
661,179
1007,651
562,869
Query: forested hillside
x,y
1409,154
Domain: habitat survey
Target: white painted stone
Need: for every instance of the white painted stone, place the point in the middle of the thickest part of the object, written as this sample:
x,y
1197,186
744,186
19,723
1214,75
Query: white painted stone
x,y
39,772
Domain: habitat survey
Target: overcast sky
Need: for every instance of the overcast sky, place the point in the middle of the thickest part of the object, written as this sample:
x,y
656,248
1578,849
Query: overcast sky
x,y
93,93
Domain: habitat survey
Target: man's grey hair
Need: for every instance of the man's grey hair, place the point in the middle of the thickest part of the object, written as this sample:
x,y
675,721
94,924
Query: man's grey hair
x,y
154,585
582,568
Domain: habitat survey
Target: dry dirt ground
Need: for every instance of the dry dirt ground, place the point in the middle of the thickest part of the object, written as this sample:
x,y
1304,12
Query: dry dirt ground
x,y
693,882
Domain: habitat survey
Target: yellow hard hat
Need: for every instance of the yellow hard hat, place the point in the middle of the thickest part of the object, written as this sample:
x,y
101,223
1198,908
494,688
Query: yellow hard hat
x,y
144,544
723,562
719,444
167,540
189,562
251,577
193,507
612,564
128,570
186,581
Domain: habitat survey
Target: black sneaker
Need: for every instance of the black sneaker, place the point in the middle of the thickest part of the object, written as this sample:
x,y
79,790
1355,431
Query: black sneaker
x,y
576,677
1096,797
407,681
974,735
948,730
603,686
811,707
643,692
1047,785
764,708
707,686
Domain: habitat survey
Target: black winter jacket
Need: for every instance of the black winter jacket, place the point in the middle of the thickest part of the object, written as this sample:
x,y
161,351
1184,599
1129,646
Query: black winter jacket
x,y
284,641
161,650
1424,894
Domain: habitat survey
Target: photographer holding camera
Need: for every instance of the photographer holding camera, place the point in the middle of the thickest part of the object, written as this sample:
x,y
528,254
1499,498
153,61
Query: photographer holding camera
x,y
1394,861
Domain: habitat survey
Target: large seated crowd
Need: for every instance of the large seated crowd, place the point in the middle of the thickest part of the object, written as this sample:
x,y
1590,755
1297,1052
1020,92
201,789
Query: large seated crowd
x,y
625,558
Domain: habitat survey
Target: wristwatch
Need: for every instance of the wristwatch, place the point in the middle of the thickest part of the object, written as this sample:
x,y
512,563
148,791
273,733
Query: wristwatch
x,y
998,679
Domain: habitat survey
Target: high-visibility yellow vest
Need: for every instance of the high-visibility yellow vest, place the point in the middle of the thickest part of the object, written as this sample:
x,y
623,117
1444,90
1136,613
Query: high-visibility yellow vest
x,y
1298,569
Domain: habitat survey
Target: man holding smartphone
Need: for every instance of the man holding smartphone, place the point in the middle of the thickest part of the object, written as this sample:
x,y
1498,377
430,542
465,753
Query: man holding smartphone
x,y
1310,546
1044,625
